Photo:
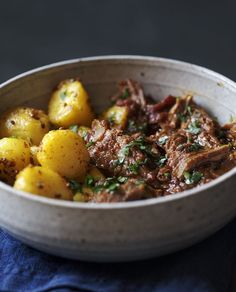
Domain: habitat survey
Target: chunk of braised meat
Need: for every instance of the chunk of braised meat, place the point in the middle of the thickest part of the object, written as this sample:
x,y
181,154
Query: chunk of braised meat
x,y
158,113
132,190
127,155
230,133
193,161
130,90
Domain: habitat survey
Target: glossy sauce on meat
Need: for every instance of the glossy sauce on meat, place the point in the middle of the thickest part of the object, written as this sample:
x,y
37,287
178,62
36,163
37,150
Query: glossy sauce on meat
x,y
162,147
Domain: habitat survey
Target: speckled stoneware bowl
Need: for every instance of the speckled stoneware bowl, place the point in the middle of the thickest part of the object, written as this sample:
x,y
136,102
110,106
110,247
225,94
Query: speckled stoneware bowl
x,y
121,231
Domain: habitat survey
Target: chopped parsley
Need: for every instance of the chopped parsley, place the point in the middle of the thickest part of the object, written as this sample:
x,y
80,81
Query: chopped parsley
x,y
124,151
194,147
110,184
90,144
189,110
134,167
182,117
74,128
125,94
134,127
161,161
62,95
162,140
89,181
194,128
122,179
112,119
75,186
167,174
144,147
192,177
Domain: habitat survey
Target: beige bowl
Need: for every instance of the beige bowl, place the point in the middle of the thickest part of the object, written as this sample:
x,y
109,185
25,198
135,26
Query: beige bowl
x,y
131,230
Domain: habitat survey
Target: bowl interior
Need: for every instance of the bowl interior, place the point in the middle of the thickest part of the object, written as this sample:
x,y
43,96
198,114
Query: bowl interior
x,y
159,77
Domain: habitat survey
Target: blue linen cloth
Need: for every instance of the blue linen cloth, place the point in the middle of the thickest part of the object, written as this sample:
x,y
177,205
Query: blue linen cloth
x,y
206,266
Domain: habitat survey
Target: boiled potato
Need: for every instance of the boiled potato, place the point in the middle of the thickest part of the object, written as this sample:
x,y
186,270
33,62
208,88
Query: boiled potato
x,y
69,105
44,182
27,123
117,116
80,197
95,173
14,156
64,152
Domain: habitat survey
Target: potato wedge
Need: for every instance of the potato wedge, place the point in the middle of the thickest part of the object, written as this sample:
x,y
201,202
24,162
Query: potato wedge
x,y
117,116
69,105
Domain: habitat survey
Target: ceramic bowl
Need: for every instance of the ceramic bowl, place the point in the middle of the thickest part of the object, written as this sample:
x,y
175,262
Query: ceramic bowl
x,y
131,230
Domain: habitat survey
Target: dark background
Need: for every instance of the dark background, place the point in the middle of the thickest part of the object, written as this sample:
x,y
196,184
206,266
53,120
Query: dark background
x,y
35,33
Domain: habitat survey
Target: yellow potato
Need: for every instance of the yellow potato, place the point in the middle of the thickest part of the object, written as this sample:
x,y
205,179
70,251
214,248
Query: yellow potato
x,y
79,197
44,182
64,152
117,116
95,173
27,123
69,105
14,156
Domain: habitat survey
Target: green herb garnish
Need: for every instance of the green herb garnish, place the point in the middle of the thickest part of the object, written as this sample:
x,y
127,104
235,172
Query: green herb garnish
x,y
192,177
162,140
134,127
89,181
74,128
167,174
125,94
134,168
110,184
122,179
112,119
90,144
194,147
75,186
124,151
189,110
194,128
182,117
161,161
62,95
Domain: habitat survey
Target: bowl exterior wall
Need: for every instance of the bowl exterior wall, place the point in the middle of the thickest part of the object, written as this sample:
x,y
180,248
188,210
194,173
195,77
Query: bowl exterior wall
x,y
135,231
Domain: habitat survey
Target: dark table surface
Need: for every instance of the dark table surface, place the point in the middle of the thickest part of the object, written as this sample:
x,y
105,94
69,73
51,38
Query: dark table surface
x,y
35,33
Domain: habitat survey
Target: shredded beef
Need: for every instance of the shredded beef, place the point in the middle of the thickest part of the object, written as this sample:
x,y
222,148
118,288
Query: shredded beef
x,y
166,146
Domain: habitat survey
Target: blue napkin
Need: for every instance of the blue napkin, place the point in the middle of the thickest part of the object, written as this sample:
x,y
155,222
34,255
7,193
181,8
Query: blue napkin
x,y
206,266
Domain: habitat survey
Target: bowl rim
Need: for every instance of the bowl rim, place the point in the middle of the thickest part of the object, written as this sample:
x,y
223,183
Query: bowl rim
x,y
132,204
